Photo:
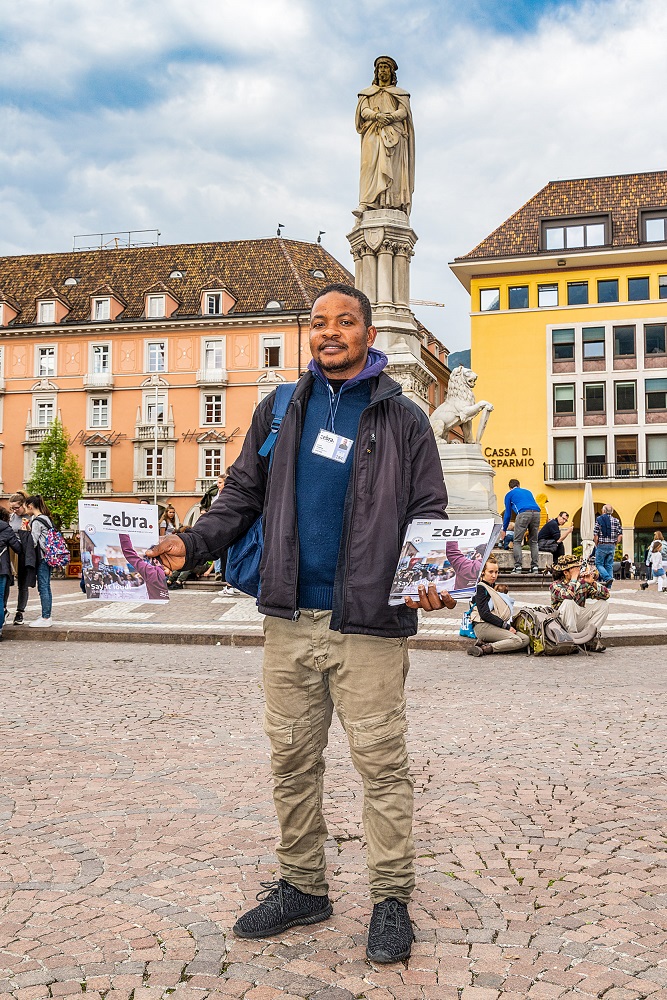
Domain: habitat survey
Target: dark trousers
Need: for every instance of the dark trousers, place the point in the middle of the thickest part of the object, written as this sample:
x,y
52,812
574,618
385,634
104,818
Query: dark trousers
x,y
24,592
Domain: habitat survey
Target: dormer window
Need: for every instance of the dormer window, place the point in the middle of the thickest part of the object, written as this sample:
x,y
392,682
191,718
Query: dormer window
x,y
317,273
576,233
273,304
213,303
101,309
654,226
155,306
2,314
176,275
46,312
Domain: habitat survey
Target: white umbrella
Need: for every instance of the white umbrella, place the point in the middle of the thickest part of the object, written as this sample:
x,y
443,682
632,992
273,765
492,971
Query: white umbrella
x,y
587,525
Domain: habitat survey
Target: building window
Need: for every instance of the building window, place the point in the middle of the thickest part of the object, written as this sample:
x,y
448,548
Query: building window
x,y
213,408
156,356
608,290
563,399
2,314
152,408
272,350
637,289
595,450
624,341
489,299
101,309
626,455
153,462
99,412
577,293
593,342
654,338
594,397
654,226
214,355
518,297
656,393
574,234
44,412
662,286
547,295
46,361
101,359
656,455
563,345
46,312
625,396
213,303
565,458
213,462
99,465
155,307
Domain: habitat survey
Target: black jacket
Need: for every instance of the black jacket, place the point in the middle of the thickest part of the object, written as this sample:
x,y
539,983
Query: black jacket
x,y
8,540
396,477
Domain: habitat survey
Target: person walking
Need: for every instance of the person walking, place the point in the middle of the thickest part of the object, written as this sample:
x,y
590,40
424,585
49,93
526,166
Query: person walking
x,y
354,463
551,536
492,617
608,534
26,562
521,503
8,543
657,567
41,522
572,587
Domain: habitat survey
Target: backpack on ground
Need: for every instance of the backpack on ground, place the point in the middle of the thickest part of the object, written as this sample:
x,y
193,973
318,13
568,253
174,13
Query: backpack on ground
x,y
56,553
245,555
546,633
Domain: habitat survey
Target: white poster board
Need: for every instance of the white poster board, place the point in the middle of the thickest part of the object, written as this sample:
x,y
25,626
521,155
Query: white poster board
x,y
114,538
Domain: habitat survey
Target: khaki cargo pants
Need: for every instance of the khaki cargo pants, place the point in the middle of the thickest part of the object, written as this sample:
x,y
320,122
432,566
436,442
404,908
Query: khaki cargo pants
x,y
308,671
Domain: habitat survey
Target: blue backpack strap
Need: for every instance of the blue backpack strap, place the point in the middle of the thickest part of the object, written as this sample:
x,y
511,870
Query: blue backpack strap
x,y
284,393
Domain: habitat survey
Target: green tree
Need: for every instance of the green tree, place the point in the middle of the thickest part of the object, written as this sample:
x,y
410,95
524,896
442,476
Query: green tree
x,y
58,476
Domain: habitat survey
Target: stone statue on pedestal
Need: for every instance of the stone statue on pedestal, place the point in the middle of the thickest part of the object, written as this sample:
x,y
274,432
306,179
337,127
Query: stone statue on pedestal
x,y
384,121
460,407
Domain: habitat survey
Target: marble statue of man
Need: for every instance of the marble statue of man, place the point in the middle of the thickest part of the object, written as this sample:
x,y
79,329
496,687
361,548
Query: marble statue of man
x,y
384,121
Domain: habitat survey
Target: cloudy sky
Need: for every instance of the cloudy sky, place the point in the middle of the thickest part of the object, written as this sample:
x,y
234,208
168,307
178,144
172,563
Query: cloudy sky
x,y
218,119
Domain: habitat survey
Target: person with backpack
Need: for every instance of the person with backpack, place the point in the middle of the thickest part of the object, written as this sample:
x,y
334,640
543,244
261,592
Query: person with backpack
x,y
8,540
492,617
657,568
572,587
351,464
41,523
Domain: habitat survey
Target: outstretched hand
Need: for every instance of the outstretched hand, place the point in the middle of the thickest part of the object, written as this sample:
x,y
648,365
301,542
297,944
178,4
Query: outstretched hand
x,y
170,550
431,600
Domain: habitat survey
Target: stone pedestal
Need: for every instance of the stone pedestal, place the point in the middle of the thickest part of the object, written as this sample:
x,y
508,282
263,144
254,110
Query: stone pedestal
x,y
469,481
382,244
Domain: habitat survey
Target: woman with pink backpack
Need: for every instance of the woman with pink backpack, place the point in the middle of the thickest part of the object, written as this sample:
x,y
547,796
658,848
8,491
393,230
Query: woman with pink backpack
x,y
41,522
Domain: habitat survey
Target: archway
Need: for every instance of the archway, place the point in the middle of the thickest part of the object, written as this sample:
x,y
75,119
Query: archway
x,y
192,515
650,518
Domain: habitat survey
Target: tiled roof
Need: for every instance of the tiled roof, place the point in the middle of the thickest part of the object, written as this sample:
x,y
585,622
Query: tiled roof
x,y
622,196
253,271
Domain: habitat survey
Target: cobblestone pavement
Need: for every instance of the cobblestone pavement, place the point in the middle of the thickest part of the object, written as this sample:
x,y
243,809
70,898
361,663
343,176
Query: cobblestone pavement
x,y
199,615
137,824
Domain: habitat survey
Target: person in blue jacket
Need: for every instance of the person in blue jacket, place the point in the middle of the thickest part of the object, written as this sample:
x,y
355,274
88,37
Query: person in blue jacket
x,y
521,505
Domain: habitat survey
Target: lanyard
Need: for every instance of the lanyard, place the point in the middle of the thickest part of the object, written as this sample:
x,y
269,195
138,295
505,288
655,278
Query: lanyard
x,y
333,410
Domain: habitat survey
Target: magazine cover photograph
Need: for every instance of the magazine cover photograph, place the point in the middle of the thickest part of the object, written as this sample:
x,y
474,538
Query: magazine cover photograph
x,y
449,554
114,539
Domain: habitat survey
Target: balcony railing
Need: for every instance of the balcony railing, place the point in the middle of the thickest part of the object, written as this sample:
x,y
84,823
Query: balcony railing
x,y
212,376
35,435
98,380
146,432
582,471
164,486
206,484
98,487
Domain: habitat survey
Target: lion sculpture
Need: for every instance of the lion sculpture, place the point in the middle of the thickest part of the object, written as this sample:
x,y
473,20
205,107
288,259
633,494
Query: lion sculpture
x,y
459,408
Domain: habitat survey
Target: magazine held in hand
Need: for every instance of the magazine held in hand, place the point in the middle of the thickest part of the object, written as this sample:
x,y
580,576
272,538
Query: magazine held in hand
x,y
114,539
449,554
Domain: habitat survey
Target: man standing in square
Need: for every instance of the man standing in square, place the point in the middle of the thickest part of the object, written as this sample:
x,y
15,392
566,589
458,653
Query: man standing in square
x,y
608,534
521,505
353,464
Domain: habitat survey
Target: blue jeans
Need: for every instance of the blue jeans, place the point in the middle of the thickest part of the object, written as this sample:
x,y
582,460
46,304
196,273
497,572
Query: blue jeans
x,y
44,587
4,597
604,563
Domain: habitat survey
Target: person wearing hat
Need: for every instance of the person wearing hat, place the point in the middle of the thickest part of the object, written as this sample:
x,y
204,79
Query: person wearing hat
x,y
570,590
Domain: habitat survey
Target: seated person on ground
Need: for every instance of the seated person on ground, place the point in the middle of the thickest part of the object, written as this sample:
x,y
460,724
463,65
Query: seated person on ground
x,y
572,586
492,617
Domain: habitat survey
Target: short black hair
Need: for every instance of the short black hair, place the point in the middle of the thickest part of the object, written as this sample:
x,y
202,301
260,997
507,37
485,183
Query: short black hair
x,y
352,293
513,483
4,513
563,513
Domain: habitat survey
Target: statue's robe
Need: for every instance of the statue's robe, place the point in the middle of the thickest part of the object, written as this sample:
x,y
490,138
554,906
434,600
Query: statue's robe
x,y
387,177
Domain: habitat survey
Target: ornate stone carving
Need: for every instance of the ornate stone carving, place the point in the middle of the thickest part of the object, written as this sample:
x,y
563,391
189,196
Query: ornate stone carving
x,y
460,408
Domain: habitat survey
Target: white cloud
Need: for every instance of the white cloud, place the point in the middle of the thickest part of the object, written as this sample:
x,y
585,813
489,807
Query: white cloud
x,y
258,129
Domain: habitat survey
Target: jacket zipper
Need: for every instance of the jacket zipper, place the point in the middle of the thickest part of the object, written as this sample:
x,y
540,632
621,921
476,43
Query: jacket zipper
x,y
296,614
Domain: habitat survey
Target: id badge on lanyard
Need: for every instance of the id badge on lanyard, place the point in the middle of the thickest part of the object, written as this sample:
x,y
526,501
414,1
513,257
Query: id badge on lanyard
x,y
333,446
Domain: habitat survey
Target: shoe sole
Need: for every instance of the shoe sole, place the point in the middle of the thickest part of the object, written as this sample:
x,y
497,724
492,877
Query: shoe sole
x,y
315,918
383,958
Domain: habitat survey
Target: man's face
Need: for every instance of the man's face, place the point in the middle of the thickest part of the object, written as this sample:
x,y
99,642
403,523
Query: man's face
x,y
562,519
384,74
339,338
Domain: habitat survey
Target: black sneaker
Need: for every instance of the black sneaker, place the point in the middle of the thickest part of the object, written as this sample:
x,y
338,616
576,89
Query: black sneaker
x,y
390,934
281,906
18,618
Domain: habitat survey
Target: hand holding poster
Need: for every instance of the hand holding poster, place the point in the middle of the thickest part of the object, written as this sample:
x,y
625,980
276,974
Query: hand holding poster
x,y
448,554
114,539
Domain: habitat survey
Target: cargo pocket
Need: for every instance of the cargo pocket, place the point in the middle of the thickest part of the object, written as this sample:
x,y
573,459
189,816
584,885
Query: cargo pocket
x,y
378,729
278,728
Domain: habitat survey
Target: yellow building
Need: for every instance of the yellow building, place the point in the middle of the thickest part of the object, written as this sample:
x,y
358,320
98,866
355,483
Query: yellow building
x,y
569,326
